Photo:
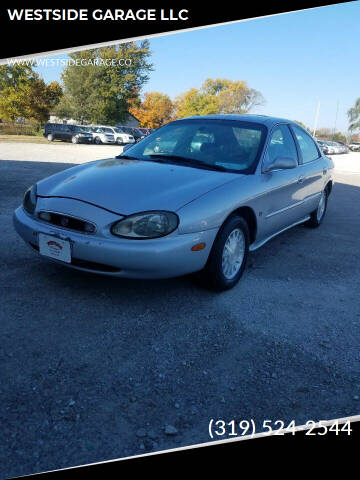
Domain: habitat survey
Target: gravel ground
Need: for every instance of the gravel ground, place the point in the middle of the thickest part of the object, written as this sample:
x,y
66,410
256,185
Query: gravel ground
x,y
94,368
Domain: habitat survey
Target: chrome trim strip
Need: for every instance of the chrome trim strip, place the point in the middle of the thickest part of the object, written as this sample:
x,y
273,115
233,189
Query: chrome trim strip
x,y
285,209
310,197
255,246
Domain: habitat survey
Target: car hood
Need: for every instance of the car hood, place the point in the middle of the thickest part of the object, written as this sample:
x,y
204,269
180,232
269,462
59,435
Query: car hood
x,y
129,186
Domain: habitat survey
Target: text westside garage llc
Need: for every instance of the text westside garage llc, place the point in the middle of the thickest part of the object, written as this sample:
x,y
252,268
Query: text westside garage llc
x,y
84,14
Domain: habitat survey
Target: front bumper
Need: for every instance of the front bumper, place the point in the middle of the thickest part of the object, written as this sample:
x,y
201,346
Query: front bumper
x,y
165,257
108,140
85,140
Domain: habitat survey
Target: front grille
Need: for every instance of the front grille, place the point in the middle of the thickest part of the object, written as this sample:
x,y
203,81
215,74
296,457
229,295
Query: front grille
x,y
110,137
65,221
77,262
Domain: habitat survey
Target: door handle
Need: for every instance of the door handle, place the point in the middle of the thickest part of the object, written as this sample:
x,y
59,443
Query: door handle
x,y
301,179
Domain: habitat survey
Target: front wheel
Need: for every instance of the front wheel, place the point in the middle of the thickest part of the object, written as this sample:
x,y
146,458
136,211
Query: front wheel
x,y
75,140
119,141
228,255
98,141
317,216
50,137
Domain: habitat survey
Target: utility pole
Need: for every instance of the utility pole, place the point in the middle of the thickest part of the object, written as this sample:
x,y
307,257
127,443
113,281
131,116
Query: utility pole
x,y
336,116
316,118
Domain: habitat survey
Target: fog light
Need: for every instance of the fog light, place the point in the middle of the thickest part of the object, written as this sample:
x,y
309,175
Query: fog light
x,y
198,247
89,228
45,216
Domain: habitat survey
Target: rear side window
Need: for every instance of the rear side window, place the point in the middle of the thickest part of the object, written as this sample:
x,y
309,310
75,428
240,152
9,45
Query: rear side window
x,y
309,151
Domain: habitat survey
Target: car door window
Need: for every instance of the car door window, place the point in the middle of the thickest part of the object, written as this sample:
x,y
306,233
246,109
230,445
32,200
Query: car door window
x,y
309,151
281,145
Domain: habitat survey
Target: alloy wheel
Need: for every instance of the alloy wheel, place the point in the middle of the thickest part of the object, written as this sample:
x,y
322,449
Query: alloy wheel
x,y
233,253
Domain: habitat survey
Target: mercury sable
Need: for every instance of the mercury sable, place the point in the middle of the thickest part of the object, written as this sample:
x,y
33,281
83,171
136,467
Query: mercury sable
x,y
195,196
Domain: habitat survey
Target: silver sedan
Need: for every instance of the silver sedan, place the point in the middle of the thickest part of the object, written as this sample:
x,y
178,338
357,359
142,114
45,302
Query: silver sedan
x,y
197,195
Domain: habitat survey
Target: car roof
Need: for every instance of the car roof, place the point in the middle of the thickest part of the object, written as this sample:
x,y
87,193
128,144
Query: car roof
x,y
244,117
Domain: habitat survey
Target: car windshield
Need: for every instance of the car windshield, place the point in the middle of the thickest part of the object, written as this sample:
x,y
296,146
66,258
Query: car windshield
x,y
229,145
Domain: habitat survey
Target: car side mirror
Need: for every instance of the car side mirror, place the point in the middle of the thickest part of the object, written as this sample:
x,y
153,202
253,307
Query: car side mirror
x,y
281,163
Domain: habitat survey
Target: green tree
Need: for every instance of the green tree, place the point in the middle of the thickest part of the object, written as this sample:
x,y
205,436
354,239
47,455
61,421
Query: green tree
x,y
23,94
101,84
339,137
354,116
195,102
329,134
218,96
155,110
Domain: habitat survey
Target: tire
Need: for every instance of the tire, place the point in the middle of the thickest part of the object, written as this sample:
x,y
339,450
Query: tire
x,y
50,137
222,270
98,141
119,141
74,140
318,215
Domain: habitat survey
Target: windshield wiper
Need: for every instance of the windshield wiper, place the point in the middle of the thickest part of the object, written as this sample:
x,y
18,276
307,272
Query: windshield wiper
x,y
155,159
128,157
192,162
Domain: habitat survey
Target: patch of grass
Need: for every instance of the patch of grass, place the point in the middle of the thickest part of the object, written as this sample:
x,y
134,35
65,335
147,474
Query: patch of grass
x,y
22,139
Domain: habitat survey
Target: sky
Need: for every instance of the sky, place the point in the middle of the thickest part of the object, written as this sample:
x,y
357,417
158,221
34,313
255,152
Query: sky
x,y
296,60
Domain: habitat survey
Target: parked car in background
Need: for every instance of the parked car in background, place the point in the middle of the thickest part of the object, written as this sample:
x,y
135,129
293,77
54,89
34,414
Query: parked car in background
x,y
333,148
121,137
324,147
135,132
337,147
354,146
145,131
343,147
216,188
102,134
67,133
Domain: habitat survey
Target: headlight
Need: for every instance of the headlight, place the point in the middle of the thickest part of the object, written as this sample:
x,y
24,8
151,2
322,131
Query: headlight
x,y
29,202
146,225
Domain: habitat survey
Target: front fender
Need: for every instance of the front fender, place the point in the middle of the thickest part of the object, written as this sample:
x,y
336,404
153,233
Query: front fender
x,y
211,210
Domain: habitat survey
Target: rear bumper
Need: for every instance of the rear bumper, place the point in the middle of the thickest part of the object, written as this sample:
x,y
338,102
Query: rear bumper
x,y
165,257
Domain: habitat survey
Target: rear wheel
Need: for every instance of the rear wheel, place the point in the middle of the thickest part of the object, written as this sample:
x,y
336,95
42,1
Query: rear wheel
x,y
228,255
75,140
317,216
